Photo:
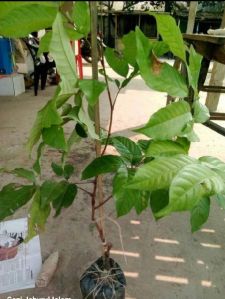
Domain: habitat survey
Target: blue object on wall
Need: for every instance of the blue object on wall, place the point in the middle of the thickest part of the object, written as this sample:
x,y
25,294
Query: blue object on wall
x,y
6,63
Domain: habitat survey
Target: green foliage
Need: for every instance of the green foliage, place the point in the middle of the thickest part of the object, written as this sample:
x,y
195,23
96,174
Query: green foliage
x,y
116,62
54,137
65,197
24,173
160,48
92,89
81,17
59,194
158,173
157,75
45,43
12,197
37,216
37,166
190,185
68,171
130,52
25,18
221,200
104,164
201,112
126,199
170,33
195,60
159,200
73,34
200,214
164,148
65,171
127,148
62,53
46,117
167,122
58,170
215,164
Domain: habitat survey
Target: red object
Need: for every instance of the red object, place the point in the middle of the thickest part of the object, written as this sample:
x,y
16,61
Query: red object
x,y
78,58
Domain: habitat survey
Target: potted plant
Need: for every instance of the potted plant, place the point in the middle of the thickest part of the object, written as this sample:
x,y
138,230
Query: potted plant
x,y
156,172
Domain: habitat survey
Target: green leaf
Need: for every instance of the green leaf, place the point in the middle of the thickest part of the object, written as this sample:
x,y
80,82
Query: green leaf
x,y
201,112
73,34
200,214
141,202
168,121
24,19
117,82
160,48
49,190
126,199
66,108
61,194
157,75
68,171
130,51
37,166
12,197
215,164
100,165
127,148
170,33
189,133
191,183
85,119
46,117
221,200
158,173
63,55
45,43
8,6
127,80
184,142
24,173
194,67
81,130
65,198
74,138
58,170
92,89
144,144
159,200
54,136
37,216
116,62
164,148
81,16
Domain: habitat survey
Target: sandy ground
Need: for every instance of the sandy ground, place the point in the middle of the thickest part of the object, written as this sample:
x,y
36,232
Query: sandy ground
x,y
163,260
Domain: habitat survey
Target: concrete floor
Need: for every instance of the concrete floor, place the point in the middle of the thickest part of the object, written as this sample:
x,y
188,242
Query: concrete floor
x,y
164,260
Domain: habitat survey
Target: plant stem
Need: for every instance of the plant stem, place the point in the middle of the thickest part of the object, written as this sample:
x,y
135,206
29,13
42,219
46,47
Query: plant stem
x,y
107,199
98,187
89,193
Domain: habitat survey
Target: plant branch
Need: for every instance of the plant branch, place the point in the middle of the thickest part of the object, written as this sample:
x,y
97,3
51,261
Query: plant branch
x,y
84,183
111,103
107,199
93,200
89,193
